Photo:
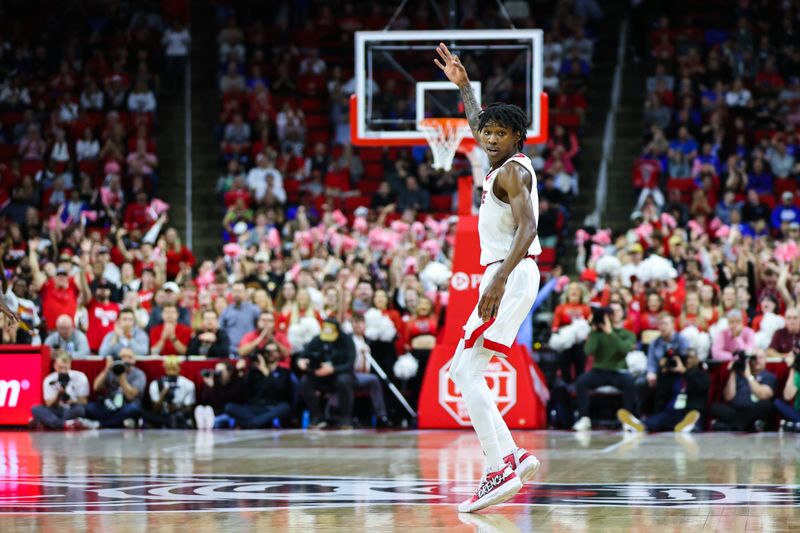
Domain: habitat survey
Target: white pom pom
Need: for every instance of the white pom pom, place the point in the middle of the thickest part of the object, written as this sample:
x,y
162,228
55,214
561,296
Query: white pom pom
x,y
720,325
608,265
560,340
435,275
627,272
379,326
656,268
582,329
406,367
637,362
770,323
763,339
302,332
703,345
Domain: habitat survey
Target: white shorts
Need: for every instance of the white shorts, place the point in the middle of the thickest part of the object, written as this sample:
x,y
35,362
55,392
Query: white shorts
x,y
500,332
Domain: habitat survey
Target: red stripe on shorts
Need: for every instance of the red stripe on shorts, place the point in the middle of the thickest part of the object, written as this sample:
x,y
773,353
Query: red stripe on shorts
x,y
496,346
470,342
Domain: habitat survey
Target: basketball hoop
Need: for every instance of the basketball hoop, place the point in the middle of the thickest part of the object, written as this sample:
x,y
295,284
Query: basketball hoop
x,y
444,135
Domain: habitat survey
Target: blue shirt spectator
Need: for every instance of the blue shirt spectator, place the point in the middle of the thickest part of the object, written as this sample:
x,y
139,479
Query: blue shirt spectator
x,y
759,179
668,340
786,212
238,318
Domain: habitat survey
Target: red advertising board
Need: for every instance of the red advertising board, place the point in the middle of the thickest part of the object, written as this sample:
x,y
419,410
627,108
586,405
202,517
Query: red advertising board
x,y
516,383
22,370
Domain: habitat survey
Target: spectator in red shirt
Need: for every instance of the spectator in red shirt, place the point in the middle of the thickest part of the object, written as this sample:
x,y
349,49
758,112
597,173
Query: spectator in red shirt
x,y
170,337
136,216
59,294
102,312
649,319
179,257
572,308
265,333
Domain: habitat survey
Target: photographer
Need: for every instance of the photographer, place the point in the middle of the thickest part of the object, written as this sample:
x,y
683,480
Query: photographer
x,y
609,343
789,407
65,395
119,387
172,396
747,395
669,339
220,387
328,365
266,389
680,396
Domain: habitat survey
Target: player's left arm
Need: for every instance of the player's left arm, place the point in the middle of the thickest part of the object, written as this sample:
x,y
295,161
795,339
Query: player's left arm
x,y
516,182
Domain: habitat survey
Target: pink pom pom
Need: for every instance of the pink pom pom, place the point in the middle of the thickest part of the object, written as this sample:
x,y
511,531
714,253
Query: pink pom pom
x,y
293,272
91,216
597,252
338,218
418,230
561,282
714,224
695,228
411,265
444,298
787,252
273,239
723,231
581,236
431,246
669,221
232,249
602,237
317,234
205,279
348,243
54,223
644,231
360,224
400,227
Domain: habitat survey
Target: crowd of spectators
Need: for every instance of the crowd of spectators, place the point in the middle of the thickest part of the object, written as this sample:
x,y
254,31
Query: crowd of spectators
x,y
707,277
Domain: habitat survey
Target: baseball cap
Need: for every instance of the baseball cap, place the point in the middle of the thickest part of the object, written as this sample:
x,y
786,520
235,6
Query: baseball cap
x,y
635,248
61,271
589,275
171,286
787,195
261,257
636,214
102,283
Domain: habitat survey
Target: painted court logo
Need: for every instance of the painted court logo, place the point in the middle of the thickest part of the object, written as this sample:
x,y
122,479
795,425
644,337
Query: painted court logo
x,y
167,493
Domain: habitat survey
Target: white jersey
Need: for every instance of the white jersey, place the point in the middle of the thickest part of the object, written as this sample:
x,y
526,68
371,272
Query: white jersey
x,y
496,227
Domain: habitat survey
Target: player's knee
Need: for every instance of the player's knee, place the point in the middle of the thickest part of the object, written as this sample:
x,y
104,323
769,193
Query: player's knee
x,y
461,377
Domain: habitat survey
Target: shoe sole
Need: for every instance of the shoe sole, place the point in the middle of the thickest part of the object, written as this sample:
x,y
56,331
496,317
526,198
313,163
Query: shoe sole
x,y
527,469
688,422
628,419
500,495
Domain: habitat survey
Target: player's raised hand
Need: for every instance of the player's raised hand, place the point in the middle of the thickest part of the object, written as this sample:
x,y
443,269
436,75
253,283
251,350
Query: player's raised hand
x,y
452,66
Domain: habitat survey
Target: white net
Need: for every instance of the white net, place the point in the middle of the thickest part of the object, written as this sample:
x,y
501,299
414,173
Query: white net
x,y
444,137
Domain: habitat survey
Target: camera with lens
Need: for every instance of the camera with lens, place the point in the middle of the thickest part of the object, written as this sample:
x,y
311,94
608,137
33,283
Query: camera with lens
x,y
210,373
63,381
672,356
740,359
170,383
599,315
118,368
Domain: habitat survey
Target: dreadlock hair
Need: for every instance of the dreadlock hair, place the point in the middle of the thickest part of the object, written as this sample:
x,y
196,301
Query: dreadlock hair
x,y
508,116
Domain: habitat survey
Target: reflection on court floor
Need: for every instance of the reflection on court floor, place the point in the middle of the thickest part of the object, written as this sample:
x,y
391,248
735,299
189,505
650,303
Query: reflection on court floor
x,y
385,481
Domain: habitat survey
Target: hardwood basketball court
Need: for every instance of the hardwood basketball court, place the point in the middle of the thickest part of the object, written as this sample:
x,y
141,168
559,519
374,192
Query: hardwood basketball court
x,y
307,481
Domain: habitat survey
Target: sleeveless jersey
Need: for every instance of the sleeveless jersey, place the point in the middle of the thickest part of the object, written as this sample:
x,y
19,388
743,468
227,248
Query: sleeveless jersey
x,y
496,228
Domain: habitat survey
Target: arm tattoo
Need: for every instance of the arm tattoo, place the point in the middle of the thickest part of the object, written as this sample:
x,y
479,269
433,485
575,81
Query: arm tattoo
x,y
471,107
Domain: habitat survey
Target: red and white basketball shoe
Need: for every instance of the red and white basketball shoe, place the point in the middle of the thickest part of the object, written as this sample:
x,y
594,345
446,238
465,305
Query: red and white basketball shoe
x,y
495,487
523,463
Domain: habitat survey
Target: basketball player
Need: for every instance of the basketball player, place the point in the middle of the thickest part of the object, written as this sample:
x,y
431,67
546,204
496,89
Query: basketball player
x,y
509,242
